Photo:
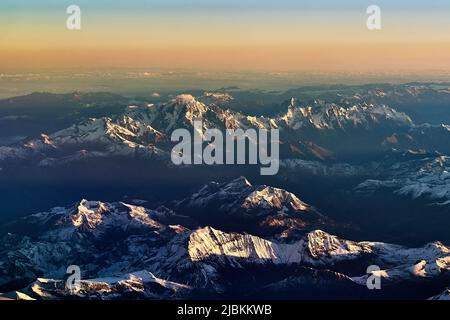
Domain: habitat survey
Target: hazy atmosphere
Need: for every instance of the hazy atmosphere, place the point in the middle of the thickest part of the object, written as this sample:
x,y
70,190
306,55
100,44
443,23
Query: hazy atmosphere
x,y
285,35
248,151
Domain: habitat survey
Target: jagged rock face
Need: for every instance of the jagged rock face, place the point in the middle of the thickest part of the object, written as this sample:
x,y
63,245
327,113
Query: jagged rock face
x,y
321,115
241,195
209,243
183,110
218,98
220,194
95,138
407,174
138,285
94,219
424,270
322,245
177,113
398,265
273,198
274,211
316,248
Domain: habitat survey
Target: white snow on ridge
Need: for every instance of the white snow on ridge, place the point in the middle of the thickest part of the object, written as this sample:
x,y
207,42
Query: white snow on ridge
x,y
317,248
208,242
429,177
270,197
94,218
331,116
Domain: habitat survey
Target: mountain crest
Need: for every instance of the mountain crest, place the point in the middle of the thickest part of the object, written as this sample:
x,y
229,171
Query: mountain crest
x,y
89,214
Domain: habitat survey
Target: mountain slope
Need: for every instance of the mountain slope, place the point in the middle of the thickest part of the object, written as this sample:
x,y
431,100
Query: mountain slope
x,y
259,209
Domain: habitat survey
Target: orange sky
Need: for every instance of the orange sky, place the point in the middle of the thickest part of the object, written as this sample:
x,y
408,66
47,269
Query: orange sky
x,y
249,40
333,57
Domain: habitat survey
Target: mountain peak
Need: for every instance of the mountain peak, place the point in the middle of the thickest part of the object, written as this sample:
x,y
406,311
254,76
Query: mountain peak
x,y
240,181
184,99
89,214
322,244
324,115
270,197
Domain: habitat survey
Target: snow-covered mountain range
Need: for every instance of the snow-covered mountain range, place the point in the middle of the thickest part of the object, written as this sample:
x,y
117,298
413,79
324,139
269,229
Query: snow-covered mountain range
x,y
318,130
322,115
356,163
129,251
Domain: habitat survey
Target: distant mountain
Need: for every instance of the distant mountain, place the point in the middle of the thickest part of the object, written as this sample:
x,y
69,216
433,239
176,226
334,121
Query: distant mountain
x,y
421,138
96,138
320,131
46,99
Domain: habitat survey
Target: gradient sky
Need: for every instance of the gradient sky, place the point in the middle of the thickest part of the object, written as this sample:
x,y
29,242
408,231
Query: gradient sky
x,y
280,35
